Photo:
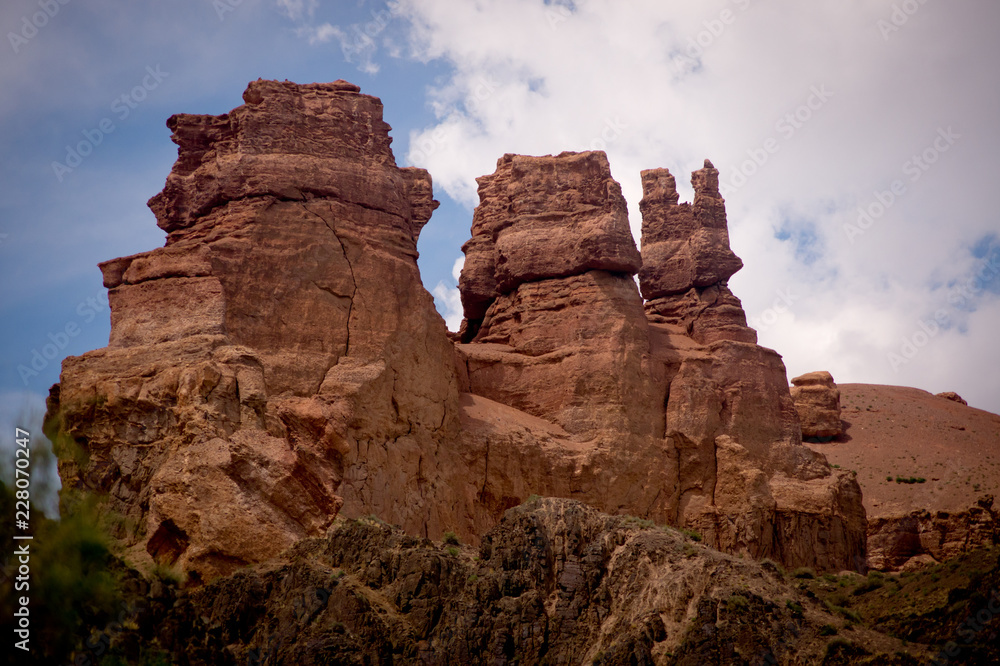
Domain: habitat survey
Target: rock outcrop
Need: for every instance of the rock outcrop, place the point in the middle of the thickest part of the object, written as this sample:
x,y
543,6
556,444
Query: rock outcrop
x,y
686,258
817,400
925,537
553,582
279,354
954,397
278,361
666,409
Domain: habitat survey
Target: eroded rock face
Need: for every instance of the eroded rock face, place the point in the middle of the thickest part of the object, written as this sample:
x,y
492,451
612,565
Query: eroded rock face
x,y
279,348
554,582
923,537
674,385
817,400
686,259
278,361
954,397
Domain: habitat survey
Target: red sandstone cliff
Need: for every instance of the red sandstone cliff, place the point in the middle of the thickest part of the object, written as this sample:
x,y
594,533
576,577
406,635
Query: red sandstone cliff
x,y
279,361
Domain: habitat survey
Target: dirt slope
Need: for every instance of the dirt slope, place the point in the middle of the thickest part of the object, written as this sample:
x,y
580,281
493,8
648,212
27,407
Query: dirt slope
x,y
897,431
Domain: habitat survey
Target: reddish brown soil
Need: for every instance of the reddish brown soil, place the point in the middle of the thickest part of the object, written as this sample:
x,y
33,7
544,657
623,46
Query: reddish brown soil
x,y
896,431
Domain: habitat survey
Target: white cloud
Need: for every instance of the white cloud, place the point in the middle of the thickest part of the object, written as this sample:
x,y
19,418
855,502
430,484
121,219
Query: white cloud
x,y
810,102
298,10
359,41
449,303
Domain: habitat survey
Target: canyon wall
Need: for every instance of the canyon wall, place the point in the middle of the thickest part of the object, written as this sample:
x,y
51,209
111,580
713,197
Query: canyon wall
x,y
278,360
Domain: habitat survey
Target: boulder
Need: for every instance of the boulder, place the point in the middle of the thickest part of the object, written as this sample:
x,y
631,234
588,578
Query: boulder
x,y
954,397
817,401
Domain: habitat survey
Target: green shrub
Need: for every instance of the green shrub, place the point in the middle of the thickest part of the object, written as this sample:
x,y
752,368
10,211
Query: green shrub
x,y
737,603
691,534
450,537
453,551
804,572
828,630
795,607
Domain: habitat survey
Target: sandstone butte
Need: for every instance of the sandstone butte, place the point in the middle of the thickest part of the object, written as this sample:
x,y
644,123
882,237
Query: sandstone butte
x,y
278,362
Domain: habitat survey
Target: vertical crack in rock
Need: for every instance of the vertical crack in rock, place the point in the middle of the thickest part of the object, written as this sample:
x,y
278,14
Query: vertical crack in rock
x,y
350,268
223,387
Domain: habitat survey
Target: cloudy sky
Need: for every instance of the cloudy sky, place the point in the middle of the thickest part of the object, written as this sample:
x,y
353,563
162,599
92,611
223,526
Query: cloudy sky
x,y
857,143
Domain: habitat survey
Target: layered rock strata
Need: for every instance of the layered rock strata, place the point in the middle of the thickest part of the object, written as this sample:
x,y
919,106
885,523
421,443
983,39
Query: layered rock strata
x,y
817,401
675,385
926,537
278,361
686,258
279,355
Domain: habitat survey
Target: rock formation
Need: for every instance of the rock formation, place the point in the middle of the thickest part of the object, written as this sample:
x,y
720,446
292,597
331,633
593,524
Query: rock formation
x,y
553,582
279,361
666,409
279,353
927,537
686,259
954,397
817,400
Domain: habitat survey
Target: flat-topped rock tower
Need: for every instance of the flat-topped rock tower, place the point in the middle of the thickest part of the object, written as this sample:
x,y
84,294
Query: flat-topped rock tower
x,y
278,361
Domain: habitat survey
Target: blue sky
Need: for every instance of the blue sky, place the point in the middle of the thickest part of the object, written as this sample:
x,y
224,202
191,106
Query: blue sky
x,y
857,141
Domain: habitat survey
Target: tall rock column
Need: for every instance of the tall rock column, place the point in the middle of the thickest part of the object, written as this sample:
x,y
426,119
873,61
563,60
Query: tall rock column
x,y
744,479
686,259
555,338
278,359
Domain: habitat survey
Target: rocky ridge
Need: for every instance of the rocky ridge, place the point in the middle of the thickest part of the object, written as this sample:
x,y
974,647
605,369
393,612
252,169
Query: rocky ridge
x,y
278,361
554,582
